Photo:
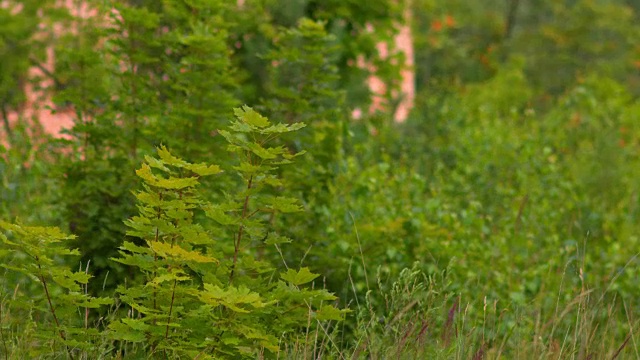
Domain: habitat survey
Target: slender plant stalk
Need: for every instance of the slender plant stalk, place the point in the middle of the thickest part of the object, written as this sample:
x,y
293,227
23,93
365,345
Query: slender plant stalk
x,y
86,292
155,256
175,282
173,297
240,231
624,344
510,18
364,267
4,340
5,121
53,311
155,260
56,81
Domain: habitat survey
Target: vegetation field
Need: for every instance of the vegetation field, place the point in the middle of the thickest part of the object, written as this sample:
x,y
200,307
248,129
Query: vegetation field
x,y
232,188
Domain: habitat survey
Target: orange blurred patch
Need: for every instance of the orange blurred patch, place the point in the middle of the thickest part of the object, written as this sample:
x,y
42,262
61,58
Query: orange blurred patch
x,y
449,21
576,119
436,25
484,59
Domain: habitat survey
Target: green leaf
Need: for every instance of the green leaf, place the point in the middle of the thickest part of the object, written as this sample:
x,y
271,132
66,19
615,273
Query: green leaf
x,y
149,198
203,169
251,117
136,324
155,163
93,303
285,205
262,152
275,239
217,213
272,181
176,252
282,128
328,312
125,332
324,295
250,169
231,138
230,339
268,341
169,159
131,247
232,298
299,277
177,275
5,240
291,156
241,127
69,280
171,183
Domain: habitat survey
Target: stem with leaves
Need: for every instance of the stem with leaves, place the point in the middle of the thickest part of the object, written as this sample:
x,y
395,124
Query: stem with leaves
x,y
53,311
4,340
240,230
175,282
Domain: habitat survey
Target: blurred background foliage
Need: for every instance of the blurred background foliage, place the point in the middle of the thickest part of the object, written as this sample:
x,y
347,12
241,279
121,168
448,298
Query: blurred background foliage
x,y
512,186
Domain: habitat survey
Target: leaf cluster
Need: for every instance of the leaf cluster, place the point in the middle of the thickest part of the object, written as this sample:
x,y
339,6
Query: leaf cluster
x,y
205,292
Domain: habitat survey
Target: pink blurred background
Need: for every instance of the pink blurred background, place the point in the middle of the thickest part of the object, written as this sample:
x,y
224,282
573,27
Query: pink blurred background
x,y
38,106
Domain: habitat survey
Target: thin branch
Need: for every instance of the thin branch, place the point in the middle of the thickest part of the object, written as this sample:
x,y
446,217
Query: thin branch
x,y
364,266
240,231
53,311
624,344
175,281
5,121
58,84
4,340
511,16
173,297
155,264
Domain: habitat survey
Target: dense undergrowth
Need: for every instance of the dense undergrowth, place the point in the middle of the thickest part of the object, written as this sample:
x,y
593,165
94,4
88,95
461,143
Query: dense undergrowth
x,y
499,221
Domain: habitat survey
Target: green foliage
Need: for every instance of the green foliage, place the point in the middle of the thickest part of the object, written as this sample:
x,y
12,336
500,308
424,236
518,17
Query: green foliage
x,y
461,42
63,306
582,37
166,82
303,87
19,50
206,289
356,30
24,182
499,221
205,292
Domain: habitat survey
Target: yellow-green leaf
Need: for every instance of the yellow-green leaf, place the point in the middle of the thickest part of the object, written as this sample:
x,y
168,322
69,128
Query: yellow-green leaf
x,y
176,252
329,312
232,298
169,159
177,275
122,331
203,169
261,152
251,117
136,324
171,183
299,277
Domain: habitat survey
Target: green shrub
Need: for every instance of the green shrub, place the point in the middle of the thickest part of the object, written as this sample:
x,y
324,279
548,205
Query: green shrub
x,y
206,291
